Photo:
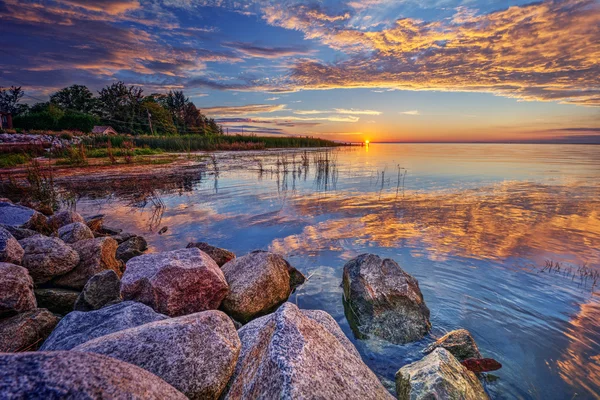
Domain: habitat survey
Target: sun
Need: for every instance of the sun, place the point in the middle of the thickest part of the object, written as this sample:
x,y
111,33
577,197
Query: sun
x,y
367,141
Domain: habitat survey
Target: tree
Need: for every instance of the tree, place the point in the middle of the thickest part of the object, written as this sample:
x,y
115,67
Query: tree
x,y
120,107
9,100
75,98
162,121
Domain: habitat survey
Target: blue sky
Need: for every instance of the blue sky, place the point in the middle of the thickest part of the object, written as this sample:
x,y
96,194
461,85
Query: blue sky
x,y
408,70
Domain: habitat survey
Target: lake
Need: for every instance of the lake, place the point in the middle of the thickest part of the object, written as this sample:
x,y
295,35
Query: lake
x,y
503,239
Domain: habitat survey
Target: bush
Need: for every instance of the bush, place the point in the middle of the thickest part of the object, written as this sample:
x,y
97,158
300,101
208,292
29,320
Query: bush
x,y
73,120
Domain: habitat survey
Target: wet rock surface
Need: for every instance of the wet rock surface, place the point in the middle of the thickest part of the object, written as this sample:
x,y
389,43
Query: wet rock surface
x,y
75,232
258,283
459,343
288,354
221,256
438,376
63,218
10,249
16,290
79,327
195,353
101,290
384,301
20,217
175,283
58,301
75,375
95,256
47,257
132,247
26,331
19,233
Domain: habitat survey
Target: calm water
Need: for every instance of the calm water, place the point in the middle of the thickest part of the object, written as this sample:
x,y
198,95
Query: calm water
x,y
475,224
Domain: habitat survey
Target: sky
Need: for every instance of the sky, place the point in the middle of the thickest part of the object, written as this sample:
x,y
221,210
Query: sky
x,y
351,70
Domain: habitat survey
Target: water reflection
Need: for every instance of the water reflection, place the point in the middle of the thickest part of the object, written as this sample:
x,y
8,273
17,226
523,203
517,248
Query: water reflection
x,y
475,224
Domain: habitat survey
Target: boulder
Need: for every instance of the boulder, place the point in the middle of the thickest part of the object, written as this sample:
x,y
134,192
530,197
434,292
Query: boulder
x,y
58,301
175,283
47,257
75,232
95,222
438,376
384,301
79,327
290,354
258,283
204,347
459,342
19,233
221,256
123,237
26,331
16,290
22,217
63,218
10,249
133,247
95,255
74,375
101,290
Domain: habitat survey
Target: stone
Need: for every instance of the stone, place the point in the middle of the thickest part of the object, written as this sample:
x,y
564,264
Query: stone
x,y
63,218
479,365
47,257
19,233
133,247
438,376
58,301
288,355
175,282
10,249
95,222
16,290
221,256
95,255
74,375
75,232
101,290
204,347
79,327
459,343
384,301
258,283
123,237
26,331
22,217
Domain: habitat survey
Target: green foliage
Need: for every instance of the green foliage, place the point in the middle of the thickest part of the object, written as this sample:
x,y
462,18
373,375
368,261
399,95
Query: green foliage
x,y
76,121
162,121
12,160
120,107
10,98
75,98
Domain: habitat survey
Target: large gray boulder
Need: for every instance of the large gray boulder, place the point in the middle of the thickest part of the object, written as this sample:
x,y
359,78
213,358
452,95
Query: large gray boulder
x,y
289,354
438,376
59,301
194,353
384,301
101,290
64,218
175,282
19,233
75,232
258,283
74,375
16,290
459,342
132,247
47,257
22,217
26,331
10,249
95,256
221,256
79,327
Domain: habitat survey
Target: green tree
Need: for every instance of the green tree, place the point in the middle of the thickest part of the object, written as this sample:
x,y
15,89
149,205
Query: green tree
x,y
75,98
162,121
120,106
10,98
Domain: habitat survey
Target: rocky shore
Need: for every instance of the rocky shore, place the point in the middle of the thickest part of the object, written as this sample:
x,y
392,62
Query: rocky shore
x,y
86,313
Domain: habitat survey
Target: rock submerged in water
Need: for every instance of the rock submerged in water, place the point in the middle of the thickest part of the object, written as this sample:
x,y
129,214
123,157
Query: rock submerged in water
x,y
438,376
132,247
258,283
101,290
79,327
26,331
95,256
459,343
74,375
10,249
16,290
176,282
221,256
384,301
58,301
195,353
291,354
75,232
47,257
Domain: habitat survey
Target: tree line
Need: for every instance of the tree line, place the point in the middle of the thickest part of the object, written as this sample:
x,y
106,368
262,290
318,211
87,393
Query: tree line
x,y
123,107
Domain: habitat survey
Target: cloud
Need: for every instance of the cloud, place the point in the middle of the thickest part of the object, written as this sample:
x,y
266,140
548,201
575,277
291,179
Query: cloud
x,y
253,50
225,111
411,112
113,7
338,111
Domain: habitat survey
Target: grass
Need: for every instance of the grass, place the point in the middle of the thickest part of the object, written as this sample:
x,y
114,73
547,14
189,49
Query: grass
x,y
13,160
